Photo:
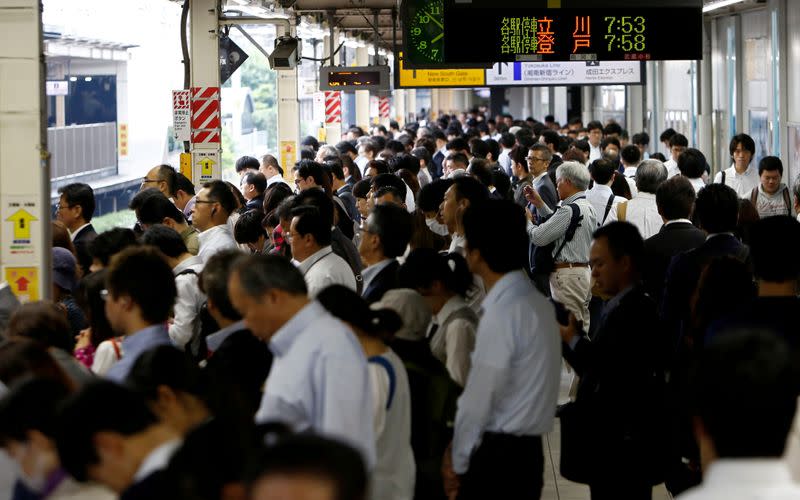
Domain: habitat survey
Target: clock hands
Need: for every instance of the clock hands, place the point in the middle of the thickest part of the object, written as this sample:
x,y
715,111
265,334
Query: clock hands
x,y
433,19
438,37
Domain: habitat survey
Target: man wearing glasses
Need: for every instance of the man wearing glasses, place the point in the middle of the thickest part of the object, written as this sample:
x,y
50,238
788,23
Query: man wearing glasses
x,y
539,160
75,209
162,177
213,206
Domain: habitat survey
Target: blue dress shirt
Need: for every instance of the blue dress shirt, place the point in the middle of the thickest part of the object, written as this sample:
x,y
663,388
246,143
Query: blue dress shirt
x,y
512,387
320,380
134,345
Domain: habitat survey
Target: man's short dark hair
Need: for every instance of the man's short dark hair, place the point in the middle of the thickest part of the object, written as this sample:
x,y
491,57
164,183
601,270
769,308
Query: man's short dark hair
x,y
459,158
494,148
675,198
507,140
30,405
551,138
471,189
747,142
386,180
394,227
623,239
82,195
310,141
257,180
259,273
316,198
310,221
346,147
457,144
307,455
431,195
220,192
505,247
152,207
717,209
246,162
362,187
308,168
380,166
249,228
630,154
270,161
155,295
667,135
479,148
641,139
602,171
406,161
609,141
109,243
168,174
422,154
395,146
679,140
183,183
773,248
213,281
692,163
746,379
770,164
167,366
612,128
165,239
594,125
392,191
334,166
97,407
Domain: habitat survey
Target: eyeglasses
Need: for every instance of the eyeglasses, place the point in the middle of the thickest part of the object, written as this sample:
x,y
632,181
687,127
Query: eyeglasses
x,y
59,206
204,201
533,159
145,180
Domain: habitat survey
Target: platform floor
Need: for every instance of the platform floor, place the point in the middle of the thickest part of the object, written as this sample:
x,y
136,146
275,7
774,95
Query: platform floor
x,y
555,486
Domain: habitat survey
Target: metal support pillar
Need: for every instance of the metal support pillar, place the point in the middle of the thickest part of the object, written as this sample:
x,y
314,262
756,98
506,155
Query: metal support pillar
x,y
288,116
587,104
705,132
25,254
204,57
634,108
411,106
362,96
559,106
333,131
435,105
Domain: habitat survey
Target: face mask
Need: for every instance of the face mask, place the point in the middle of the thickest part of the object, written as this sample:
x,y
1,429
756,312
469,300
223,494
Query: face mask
x,y
437,227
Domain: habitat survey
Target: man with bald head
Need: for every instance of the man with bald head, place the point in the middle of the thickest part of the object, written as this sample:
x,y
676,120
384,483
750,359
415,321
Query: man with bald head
x,y
163,177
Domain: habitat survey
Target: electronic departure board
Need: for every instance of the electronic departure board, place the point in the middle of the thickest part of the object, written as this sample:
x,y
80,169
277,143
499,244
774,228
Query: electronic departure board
x,y
453,32
375,78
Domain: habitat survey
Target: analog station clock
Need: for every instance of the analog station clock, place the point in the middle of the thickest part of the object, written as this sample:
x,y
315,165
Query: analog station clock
x,y
425,31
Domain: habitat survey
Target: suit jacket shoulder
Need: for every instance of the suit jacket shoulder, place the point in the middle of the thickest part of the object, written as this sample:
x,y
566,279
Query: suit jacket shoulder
x,y
384,281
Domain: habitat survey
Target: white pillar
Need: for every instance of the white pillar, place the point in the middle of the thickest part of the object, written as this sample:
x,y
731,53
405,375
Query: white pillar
x,y
634,109
362,96
288,117
411,106
587,104
25,253
204,57
333,131
559,107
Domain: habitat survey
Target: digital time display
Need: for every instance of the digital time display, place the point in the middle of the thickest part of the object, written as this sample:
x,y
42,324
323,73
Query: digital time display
x,y
517,33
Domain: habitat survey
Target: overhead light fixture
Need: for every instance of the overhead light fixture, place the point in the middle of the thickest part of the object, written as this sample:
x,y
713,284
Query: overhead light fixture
x,y
73,78
87,79
720,4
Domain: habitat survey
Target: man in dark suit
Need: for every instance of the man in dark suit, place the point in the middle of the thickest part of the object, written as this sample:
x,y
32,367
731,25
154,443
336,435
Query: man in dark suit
x,y
717,212
621,439
675,200
75,209
551,139
385,237
436,169
107,434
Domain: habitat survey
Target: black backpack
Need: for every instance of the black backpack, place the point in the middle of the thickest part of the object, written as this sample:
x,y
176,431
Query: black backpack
x,y
543,259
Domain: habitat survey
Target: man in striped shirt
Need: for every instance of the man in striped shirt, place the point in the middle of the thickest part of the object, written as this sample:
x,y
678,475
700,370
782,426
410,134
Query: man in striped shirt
x,y
570,282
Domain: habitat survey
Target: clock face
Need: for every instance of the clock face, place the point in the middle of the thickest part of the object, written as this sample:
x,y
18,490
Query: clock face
x,y
426,32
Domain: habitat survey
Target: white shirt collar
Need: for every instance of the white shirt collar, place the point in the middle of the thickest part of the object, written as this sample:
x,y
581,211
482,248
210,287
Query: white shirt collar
x,y
157,459
727,472
314,258
677,221
73,234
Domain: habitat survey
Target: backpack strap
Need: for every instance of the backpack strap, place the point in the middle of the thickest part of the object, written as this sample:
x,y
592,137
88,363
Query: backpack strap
x,y
723,178
185,272
114,344
754,196
574,222
788,201
622,211
608,208
380,360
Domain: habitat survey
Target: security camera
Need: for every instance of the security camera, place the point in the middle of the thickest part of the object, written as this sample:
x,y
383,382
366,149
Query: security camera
x,y
286,54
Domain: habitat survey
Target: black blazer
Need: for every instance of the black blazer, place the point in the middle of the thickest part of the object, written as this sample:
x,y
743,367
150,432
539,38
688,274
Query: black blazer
x,y
660,248
551,169
437,159
81,241
626,356
383,282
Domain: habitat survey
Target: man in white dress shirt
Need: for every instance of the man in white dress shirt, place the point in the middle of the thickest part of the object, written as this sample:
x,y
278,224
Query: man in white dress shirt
x,y
272,170
319,379
742,175
497,447
310,238
595,130
213,206
745,397
642,210
692,165
677,145
600,196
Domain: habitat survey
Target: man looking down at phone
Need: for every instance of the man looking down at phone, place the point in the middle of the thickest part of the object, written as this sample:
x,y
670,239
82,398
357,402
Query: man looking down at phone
x,y
569,228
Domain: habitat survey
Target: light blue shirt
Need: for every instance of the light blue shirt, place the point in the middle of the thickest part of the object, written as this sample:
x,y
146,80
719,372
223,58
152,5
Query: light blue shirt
x,y
512,387
134,345
319,380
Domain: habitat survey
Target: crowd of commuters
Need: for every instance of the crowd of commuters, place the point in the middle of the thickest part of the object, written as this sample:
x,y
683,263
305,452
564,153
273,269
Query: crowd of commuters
x,y
391,319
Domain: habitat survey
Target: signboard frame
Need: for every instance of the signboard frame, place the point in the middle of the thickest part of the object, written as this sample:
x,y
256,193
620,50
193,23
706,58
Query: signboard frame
x,y
384,78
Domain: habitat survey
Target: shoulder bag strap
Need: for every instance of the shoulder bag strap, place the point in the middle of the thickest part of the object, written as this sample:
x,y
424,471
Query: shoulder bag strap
x,y
723,177
380,360
787,200
754,196
608,208
574,222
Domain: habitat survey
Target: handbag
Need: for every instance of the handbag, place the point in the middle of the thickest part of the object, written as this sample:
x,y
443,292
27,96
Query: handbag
x,y
578,443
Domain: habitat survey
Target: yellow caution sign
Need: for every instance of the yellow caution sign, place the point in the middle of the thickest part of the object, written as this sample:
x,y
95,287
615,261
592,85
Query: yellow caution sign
x,y
22,225
288,157
186,165
24,282
442,77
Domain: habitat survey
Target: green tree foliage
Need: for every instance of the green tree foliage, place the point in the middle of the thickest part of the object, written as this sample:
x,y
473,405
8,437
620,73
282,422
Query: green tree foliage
x,y
262,81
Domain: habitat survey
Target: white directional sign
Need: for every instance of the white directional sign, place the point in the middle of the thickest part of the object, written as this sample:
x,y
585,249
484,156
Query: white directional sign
x,y
566,73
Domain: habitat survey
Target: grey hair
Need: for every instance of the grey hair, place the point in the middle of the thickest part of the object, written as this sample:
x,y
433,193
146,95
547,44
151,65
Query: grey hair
x,y
547,155
328,150
259,273
576,173
649,175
